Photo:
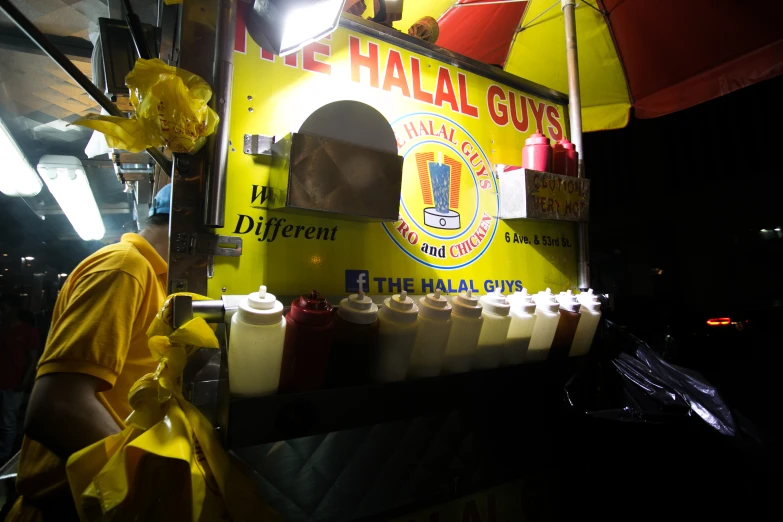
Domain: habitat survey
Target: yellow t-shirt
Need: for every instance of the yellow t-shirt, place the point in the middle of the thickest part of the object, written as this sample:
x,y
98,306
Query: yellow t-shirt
x,y
99,327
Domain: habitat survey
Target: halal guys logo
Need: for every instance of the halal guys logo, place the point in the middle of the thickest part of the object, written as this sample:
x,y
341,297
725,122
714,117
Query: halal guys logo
x,y
449,200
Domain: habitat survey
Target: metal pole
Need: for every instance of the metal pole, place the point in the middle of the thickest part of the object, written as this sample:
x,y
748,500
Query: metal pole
x,y
575,115
60,59
217,147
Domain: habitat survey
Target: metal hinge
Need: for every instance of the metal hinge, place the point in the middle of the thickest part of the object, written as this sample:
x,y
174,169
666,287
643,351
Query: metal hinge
x,y
208,244
256,144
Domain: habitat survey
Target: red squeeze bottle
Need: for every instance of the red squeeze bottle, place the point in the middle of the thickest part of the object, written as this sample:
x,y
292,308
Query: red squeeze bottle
x,y
308,337
565,159
537,154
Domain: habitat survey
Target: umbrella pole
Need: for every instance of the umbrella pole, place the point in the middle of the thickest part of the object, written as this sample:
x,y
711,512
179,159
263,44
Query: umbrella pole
x,y
575,115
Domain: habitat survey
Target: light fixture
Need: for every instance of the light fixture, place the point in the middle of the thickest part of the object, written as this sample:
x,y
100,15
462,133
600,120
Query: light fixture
x,y
763,229
285,26
29,258
66,180
719,321
17,177
777,229
63,275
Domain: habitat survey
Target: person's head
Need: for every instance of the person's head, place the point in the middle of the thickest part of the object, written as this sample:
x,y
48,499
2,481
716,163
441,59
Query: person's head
x,y
156,227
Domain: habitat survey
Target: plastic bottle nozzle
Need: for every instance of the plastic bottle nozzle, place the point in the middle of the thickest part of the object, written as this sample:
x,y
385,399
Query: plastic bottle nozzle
x,y
262,291
437,294
403,295
469,293
361,292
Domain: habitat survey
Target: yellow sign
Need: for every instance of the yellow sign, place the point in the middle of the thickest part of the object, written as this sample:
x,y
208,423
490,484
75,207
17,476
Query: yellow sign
x,y
452,127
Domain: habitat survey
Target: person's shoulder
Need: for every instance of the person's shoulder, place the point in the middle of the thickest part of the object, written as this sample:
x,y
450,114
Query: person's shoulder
x,y
119,257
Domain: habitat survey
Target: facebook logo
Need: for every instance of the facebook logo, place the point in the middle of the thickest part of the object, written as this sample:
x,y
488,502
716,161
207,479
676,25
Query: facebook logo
x,y
356,279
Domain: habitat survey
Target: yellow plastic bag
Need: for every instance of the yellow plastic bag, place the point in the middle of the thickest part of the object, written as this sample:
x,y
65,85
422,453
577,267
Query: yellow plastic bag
x,y
171,111
167,464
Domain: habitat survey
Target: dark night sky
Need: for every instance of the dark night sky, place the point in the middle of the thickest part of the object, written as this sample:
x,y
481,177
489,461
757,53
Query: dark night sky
x,y
689,193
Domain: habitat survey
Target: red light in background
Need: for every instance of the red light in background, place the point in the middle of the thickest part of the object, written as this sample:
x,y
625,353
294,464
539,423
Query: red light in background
x,y
719,321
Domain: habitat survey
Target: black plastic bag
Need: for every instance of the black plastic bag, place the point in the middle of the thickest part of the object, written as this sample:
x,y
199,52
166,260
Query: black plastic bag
x,y
638,386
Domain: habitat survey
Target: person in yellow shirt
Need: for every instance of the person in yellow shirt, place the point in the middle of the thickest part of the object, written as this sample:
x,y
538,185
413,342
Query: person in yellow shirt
x,y
96,350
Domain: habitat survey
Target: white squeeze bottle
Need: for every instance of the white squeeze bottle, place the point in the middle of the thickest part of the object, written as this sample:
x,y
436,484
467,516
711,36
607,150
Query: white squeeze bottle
x,y
547,317
523,320
396,333
255,348
588,323
494,331
463,340
431,336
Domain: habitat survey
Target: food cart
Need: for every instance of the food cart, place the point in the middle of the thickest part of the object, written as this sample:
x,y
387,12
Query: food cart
x,y
350,453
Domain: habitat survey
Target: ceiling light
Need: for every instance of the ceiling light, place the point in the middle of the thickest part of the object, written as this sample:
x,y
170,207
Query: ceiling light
x,y
63,275
66,180
29,258
17,177
285,26
5,255
777,229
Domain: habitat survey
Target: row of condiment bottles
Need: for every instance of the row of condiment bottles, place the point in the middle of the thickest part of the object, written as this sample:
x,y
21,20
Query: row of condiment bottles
x,y
312,347
560,158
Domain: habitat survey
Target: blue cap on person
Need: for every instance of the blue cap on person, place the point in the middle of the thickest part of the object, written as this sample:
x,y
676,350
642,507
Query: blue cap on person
x,y
161,203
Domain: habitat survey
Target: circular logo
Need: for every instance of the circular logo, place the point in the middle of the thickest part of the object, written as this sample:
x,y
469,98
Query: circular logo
x,y
449,196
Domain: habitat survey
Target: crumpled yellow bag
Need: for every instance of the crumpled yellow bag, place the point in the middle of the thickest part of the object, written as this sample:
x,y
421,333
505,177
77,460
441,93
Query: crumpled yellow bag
x,y
167,464
171,111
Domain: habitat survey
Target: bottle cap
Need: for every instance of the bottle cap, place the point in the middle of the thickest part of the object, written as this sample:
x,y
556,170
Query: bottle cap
x,y
435,306
466,305
537,139
312,309
358,309
495,303
522,301
568,302
565,145
260,308
543,294
589,300
546,302
400,308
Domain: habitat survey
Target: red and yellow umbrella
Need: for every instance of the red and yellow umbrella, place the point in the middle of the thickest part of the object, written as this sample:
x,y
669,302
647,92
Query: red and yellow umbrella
x,y
655,56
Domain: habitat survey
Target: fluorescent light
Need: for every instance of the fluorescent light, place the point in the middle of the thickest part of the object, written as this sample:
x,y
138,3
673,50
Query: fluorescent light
x,y
17,177
63,275
66,180
777,229
29,258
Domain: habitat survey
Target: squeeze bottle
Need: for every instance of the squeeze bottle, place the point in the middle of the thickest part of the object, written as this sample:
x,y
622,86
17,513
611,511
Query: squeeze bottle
x,y
566,327
523,320
397,331
493,333
537,154
565,158
463,340
547,316
308,337
355,345
588,323
432,336
255,347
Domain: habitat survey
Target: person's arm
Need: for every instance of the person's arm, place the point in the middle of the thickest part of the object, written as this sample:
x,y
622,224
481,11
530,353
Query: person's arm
x,y
65,415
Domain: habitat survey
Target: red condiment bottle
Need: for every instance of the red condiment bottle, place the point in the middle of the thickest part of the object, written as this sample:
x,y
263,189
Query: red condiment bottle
x,y
537,154
308,337
565,159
